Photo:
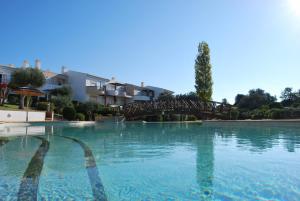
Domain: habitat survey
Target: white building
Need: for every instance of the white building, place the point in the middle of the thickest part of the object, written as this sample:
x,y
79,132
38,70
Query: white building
x,y
86,87
53,80
5,73
158,91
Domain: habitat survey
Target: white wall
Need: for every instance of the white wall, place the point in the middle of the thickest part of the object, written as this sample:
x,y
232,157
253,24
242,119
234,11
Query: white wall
x,y
20,116
77,82
12,116
36,116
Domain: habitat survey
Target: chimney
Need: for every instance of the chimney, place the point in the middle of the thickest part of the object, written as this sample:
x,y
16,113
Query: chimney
x,y
37,64
142,84
113,78
25,64
63,69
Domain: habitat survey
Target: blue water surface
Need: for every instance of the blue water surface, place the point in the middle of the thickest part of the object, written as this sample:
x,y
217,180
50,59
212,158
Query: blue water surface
x,y
135,161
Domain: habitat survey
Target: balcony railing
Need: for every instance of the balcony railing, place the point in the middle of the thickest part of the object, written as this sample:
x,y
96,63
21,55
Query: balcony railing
x,y
111,92
120,93
95,90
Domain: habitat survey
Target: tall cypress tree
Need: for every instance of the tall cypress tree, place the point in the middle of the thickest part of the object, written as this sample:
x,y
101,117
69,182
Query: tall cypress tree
x,y
203,78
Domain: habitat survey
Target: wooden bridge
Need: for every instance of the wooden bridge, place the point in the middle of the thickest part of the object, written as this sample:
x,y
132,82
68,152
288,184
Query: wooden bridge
x,y
187,106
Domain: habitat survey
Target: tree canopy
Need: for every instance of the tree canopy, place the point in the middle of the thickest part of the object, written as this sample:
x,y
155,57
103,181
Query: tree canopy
x,y
190,95
27,77
203,77
63,91
256,98
61,102
290,97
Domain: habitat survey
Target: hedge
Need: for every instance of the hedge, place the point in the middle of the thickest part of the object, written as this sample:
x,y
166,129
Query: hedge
x,y
80,117
69,113
44,106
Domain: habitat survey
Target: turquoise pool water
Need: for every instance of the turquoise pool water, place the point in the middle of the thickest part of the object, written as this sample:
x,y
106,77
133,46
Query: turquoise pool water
x,y
135,161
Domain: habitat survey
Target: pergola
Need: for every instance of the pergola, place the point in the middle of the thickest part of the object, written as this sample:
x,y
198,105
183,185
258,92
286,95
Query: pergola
x,y
27,91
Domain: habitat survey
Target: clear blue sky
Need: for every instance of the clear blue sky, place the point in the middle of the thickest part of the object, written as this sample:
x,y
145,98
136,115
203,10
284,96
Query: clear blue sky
x,y
254,43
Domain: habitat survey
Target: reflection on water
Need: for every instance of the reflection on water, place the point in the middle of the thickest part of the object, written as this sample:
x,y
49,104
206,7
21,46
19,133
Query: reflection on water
x,y
205,163
160,161
11,129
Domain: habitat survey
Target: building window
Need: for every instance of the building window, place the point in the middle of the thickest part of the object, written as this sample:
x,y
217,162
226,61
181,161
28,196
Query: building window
x,y
3,78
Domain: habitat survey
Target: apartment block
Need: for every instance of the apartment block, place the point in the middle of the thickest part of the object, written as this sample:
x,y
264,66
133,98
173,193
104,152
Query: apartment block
x,y
86,87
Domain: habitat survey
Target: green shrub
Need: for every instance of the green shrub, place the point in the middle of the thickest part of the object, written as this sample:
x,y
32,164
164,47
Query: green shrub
x,y
153,118
296,105
61,102
44,106
166,117
170,117
244,115
89,109
13,99
160,118
275,105
285,113
257,114
105,111
80,117
98,117
296,113
293,113
69,113
191,118
234,114
275,113
174,117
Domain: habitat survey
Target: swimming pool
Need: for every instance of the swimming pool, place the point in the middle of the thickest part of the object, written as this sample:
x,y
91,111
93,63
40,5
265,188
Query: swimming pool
x,y
135,161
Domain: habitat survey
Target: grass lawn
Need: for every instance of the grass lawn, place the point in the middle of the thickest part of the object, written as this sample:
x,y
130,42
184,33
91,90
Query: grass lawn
x,y
11,107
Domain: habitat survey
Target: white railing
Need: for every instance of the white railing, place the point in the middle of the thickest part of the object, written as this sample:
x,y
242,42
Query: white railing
x,y
112,92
